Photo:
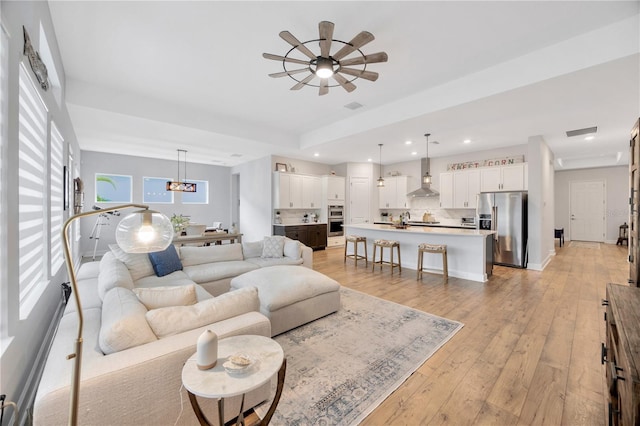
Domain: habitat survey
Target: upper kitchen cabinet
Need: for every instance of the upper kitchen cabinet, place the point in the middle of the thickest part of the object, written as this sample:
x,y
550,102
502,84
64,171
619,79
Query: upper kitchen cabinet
x,y
504,178
333,189
291,191
466,186
393,195
446,190
311,192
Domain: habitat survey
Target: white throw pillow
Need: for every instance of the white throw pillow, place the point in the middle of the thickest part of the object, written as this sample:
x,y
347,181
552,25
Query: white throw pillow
x,y
161,297
273,247
252,249
199,255
172,320
138,264
113,273
123,322
292,249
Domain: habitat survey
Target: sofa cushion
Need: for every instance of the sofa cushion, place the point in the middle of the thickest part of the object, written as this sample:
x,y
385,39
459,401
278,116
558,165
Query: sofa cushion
x,y
292,249
252,249
216,253
273,247
166,261
113,273
218,270
123,322
273,261
138,264
161,297
172,320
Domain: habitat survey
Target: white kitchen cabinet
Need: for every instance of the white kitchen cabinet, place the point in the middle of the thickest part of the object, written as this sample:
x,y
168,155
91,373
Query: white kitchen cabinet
x,y
466,186
287,191
504,178
393,195
333,188
311,192
446,190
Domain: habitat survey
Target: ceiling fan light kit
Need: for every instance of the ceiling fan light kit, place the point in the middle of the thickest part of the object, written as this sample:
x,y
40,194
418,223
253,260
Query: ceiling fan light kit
x,y
326,65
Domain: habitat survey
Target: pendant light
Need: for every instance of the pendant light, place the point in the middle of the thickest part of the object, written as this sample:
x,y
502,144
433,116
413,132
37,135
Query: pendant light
x,y
380,180
426,179
181,186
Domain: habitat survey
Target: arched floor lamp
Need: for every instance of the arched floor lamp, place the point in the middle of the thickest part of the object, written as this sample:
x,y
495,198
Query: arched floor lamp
x,y
143,231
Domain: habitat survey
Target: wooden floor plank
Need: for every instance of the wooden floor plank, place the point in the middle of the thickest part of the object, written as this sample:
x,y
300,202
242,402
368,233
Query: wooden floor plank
x,y
529,349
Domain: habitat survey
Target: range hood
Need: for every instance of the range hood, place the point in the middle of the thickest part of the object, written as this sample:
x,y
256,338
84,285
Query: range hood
x,y
425,188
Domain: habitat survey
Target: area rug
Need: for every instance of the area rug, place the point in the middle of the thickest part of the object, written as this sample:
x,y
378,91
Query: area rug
x,y
585,245
342,366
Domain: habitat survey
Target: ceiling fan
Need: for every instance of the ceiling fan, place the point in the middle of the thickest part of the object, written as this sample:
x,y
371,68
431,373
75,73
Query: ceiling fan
x,y
326,65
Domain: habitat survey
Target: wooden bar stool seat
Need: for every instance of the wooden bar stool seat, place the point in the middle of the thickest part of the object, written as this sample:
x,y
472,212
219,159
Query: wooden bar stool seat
x,y
386,244
355,239
433,248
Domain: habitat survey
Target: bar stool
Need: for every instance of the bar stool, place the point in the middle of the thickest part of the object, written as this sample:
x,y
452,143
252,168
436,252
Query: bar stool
x,y
355,239
433,248
390,244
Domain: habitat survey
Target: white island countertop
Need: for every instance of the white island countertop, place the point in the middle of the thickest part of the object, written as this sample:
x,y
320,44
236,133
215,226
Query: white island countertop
x,y
439,230
469,251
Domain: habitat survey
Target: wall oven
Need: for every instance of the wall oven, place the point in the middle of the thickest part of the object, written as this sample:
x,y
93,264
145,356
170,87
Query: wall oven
x,y
336,220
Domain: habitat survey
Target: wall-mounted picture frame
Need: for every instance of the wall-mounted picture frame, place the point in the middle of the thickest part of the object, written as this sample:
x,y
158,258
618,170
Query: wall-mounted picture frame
x,y
281,167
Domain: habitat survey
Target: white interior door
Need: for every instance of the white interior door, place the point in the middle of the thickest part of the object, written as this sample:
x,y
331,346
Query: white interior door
x,y
587,211
360,198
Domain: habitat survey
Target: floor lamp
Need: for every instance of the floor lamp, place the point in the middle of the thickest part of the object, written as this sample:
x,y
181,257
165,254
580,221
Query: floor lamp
x,y
142,231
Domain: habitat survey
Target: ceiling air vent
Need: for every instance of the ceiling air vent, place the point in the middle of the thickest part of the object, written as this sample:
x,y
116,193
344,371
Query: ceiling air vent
x,y
353,105
585,131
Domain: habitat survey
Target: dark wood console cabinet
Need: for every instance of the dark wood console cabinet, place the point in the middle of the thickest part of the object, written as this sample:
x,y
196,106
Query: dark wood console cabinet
x,y
312,235
621,354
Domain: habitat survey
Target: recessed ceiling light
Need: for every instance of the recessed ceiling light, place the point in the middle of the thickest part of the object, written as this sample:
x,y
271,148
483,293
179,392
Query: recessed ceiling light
x,y
316,154
414,153
466,141
407,142
369,159
236,155
589,138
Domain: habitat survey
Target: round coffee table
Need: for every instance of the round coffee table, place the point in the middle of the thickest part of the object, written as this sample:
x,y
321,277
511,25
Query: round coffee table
x,y
217,383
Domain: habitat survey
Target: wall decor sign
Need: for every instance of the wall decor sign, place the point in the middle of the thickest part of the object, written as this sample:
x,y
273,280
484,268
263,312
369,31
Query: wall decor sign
x,y
38,67
492,162
113,188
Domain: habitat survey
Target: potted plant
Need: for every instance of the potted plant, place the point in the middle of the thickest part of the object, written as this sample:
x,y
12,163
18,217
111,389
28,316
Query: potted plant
x,y
179,223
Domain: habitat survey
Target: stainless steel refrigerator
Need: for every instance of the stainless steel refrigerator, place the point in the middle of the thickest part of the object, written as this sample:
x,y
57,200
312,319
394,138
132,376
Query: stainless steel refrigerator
x,y
505,213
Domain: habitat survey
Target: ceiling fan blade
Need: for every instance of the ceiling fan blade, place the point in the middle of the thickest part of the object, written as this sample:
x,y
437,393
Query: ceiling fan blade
x,y
326,36
292,40
282,58
356,43
367,59
302,83
346,85
286,73
367,75
324,86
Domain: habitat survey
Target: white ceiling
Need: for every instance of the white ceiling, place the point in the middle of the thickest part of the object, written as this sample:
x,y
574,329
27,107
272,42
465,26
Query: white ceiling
x,y
146,78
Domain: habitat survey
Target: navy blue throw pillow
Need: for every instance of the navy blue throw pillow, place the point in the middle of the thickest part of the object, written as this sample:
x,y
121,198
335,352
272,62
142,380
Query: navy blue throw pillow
x,y
166,261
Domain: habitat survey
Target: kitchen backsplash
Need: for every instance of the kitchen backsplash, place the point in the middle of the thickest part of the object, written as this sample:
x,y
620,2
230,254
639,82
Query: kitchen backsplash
x,y
422,205
293,216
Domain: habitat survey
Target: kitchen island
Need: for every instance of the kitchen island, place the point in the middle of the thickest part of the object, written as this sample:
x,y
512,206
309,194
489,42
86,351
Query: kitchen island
x,y
469,251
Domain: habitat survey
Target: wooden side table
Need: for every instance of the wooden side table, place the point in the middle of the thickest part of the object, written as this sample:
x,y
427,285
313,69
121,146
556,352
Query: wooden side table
x,y
216,383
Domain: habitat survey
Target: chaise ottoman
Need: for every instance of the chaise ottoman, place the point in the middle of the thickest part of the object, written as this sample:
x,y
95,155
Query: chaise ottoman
x,y
291,295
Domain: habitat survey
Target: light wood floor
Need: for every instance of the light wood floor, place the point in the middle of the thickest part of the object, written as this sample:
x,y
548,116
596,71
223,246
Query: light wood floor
x,y
529,352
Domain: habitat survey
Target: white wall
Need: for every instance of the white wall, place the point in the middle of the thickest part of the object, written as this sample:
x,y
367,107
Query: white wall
x,y
21,338
255,198
617,197
218,209
541,203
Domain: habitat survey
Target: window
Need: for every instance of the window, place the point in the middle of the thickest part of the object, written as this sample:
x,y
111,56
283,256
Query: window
x,y
3,200
57,203
154,190
32,194
201,196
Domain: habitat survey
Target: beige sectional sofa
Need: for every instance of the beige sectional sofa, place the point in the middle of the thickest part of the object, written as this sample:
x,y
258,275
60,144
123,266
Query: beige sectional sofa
x,y
133,355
